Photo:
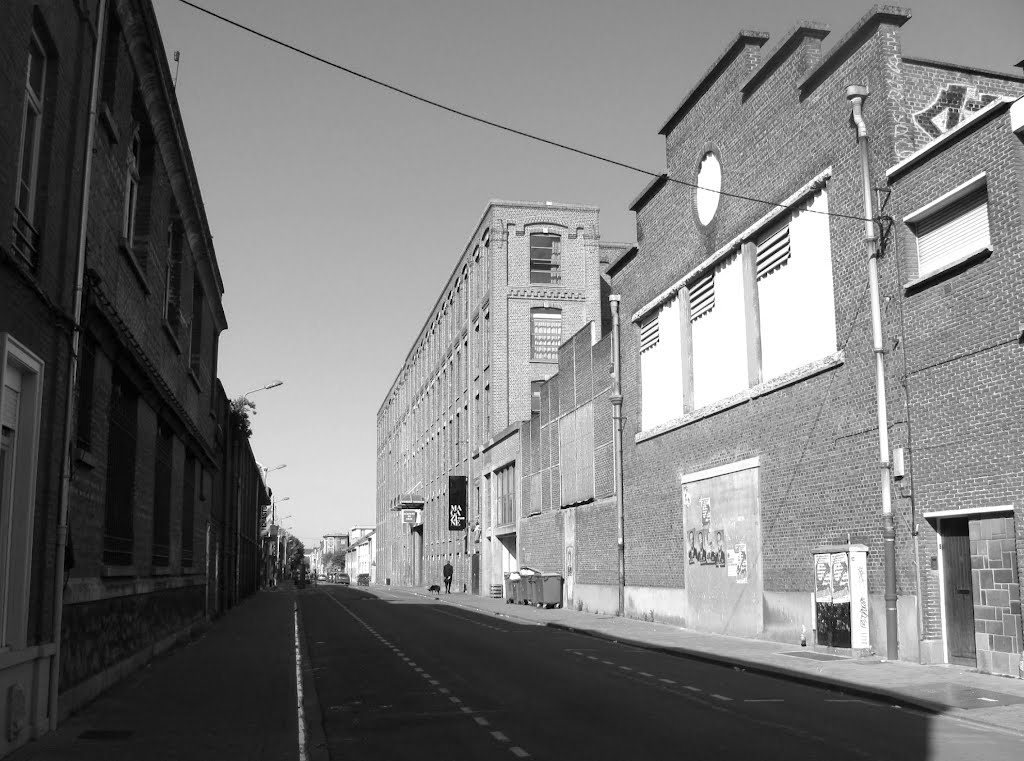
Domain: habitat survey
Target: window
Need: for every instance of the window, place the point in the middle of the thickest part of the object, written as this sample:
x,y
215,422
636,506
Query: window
x,y
196,363
26,196
172,292
535,387
162,496
545,258
131,188
795,297
119,532
188,512
21,376
505,494
86,373
952,228
661,366
111,49
546,333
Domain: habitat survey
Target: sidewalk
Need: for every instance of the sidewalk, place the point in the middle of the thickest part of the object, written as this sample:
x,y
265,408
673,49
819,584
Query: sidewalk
x,y
956,691
228,694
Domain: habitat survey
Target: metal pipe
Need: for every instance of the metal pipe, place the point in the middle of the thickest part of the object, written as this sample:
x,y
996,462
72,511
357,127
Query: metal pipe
x,y
76,340
616,400
856,95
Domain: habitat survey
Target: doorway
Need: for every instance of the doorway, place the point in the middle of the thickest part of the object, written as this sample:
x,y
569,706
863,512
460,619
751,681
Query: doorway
x,y
957,591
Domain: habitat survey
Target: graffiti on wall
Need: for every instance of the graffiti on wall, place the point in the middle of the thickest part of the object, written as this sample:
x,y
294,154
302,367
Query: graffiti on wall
x,y
953,104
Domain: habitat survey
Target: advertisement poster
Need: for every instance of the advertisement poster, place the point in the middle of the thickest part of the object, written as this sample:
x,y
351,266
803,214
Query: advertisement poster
x,y
705,511
741,563
457,517
730,565
823,577
840,577
859,624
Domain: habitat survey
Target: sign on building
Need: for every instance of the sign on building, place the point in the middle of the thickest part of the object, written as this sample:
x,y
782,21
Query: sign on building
x,y
457,488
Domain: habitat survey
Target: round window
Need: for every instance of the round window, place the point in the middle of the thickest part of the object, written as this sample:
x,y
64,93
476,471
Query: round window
x,y
709,183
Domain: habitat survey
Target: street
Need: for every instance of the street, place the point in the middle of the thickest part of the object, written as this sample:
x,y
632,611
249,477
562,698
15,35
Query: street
x,y
402,676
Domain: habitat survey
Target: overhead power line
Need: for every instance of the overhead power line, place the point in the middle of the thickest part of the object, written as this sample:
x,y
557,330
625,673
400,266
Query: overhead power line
x,y
489,122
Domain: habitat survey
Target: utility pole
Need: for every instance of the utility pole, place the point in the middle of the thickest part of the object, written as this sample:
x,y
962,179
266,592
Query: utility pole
x,y
856,94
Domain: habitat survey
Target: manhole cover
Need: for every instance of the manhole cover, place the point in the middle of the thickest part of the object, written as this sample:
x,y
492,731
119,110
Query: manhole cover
x,y
105,734
810,654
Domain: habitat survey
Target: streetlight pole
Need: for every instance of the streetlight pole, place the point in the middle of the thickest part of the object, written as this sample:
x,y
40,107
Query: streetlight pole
x,y
272,384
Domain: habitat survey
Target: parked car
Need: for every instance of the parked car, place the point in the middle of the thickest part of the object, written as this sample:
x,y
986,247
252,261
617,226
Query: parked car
x,y
343,579
363,580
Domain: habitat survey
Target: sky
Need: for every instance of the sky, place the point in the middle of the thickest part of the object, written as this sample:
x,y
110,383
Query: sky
x,y
339,209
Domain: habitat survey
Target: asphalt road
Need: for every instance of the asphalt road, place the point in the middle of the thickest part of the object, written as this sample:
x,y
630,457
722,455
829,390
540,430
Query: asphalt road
x,y
400,676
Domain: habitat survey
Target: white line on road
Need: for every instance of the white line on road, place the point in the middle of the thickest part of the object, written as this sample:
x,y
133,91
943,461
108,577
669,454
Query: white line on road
x,y
607,663
481,721
499,736
691,689
466,709
519,752
298,689
443,690
666,681
763,700
592,657
625,668
644,673
720,697
455,699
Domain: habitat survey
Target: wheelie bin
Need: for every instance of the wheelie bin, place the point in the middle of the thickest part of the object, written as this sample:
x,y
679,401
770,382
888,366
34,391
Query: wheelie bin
x,y
512,581
527,593
549,590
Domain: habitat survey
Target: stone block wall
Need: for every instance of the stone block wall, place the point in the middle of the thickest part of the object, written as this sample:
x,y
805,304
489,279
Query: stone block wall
x,y
996,584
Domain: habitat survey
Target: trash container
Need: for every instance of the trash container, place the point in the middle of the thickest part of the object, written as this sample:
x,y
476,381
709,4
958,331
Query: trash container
x,y
526,591
549,590
511,586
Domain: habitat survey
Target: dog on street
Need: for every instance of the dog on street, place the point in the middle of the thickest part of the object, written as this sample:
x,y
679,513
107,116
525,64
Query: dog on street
x,y
435,588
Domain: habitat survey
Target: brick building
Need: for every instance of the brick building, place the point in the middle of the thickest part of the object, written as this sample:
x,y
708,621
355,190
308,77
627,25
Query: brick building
x,y
752,443
108,208
448,426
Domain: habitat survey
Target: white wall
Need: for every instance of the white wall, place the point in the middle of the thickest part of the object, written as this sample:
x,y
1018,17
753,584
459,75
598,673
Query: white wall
x,y
661,371
720,339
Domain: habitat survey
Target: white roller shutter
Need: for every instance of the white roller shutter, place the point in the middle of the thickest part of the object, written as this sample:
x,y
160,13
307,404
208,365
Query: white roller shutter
x,y
956,230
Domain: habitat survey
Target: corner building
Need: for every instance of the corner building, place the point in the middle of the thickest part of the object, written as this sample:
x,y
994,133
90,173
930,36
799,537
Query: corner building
x,y
529,276
752,443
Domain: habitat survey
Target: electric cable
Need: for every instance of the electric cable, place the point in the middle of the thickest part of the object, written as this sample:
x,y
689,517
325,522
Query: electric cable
x,y
491,123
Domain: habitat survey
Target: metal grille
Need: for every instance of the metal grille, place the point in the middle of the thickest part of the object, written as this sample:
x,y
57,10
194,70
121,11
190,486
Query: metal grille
x,y
119,534
649,334
162,497
702,296
773,252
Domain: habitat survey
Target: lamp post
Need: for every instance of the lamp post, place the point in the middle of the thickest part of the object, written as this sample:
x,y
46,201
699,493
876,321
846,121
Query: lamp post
x,y
272,384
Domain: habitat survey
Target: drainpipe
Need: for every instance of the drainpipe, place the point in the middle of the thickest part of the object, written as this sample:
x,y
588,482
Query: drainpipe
x,y
856,95
76,340
616,400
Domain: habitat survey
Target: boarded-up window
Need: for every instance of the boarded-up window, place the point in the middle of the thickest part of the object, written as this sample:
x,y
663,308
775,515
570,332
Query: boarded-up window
x,y
576,455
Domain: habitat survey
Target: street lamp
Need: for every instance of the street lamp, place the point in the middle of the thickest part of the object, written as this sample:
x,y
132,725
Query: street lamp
x,y
272,384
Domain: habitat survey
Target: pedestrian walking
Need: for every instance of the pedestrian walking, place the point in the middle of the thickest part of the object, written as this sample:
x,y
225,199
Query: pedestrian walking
x,y
448,572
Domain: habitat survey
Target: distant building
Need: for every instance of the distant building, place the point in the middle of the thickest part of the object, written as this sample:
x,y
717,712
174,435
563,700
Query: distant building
x,y
529,275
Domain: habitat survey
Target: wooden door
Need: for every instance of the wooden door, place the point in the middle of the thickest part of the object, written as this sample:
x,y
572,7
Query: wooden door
x,y
959,595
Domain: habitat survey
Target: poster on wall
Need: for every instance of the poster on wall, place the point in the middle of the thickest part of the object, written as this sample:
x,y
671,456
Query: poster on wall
x,y
822,577
730,563
457,517
840,577
705,511
860,632
741,562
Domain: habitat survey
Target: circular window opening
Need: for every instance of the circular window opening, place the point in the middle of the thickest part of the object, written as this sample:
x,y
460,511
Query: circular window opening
x,y
709,183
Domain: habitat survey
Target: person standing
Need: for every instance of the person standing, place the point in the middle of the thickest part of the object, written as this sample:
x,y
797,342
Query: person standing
x,y
448,572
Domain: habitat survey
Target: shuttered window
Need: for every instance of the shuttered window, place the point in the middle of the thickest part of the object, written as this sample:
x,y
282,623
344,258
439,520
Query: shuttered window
x,y
772,252
702,296
956,230
649,333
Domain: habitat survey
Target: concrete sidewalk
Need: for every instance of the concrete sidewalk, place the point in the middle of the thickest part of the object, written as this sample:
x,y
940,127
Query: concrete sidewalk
x,y
228,694
958,691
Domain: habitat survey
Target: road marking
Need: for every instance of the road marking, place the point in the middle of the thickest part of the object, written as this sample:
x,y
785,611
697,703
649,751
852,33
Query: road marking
x,y
481,721
425,675
499,736
691,689
989,700
519,752
625,668
298,689
455,699
719,697
607,663
466,709
763,700
666,681
644,673
443,690
592,657
434,682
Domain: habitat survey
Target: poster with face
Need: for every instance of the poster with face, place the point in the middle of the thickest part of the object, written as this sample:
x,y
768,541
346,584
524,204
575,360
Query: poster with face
x,y
840,577
823,577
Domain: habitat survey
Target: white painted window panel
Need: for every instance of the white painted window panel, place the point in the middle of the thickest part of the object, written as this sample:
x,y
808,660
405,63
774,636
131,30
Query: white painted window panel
x,y
957,230
720,339
661,371
796,301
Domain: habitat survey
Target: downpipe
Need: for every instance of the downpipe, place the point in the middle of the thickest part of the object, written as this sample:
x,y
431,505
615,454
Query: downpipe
x,y
856,94
616,400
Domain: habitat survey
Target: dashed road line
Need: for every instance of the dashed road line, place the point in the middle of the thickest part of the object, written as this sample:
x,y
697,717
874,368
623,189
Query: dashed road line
x,y
499,736
691,688
519,752
720,697
667,681
644,673
763,700
481,721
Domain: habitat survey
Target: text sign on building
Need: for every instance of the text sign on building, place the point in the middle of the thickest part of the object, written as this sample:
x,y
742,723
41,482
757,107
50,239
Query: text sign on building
x,y
408,516
457,488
